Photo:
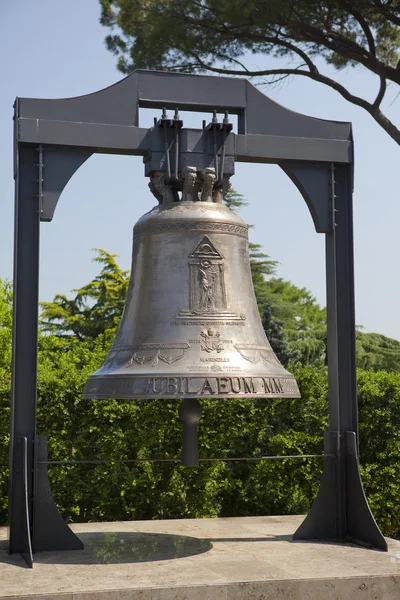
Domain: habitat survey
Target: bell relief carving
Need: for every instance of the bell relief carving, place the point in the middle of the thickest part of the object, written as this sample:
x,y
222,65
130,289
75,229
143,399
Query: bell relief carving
x,y
207,290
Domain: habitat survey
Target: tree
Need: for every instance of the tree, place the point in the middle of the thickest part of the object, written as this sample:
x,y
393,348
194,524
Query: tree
x,y
5,322
261,264
234,200
285,309
96,308
139,429
276,337
215,35
5,383
303,320
376,351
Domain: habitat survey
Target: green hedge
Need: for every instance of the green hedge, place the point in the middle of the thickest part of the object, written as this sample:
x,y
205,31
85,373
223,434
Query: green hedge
x,y
251,428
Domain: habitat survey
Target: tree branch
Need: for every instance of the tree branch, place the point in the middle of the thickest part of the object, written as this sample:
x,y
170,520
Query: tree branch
x,y
335,42
260,38
282,78
311,35
373,109
395,19
363,24
232,60
381,93
346,48
314,33
293,48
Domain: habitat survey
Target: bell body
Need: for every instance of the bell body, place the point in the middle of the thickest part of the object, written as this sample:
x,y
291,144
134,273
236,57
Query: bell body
x,y
190,327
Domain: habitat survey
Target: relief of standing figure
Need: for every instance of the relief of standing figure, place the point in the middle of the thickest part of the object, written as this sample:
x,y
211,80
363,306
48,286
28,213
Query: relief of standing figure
x,y
208,280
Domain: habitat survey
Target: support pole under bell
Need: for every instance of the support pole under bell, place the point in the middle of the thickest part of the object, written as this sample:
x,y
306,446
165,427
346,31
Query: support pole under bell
x,y
190,414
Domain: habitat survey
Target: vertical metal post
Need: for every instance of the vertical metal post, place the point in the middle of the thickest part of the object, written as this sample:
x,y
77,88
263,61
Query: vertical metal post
x,y
333,438
341,510
346,324
332,312
25,336
360,523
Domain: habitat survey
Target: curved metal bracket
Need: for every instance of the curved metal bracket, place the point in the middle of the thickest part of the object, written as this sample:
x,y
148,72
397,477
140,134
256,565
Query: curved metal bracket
x,y
314,183
340,511
58,166
50,531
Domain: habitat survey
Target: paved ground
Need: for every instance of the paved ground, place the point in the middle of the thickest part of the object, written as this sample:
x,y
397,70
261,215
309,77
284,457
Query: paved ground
x,y
247,558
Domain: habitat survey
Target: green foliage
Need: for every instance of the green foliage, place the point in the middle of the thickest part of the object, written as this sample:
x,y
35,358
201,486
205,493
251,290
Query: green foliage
x,y
303,320
276,337
139,429
96,308
234,200
376,351
5,323
5,383
379,410
216,36
261,264
76,337
261,267
177,34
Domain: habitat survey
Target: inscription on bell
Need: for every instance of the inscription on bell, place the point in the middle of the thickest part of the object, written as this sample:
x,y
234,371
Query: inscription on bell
x,y
214,359
209,386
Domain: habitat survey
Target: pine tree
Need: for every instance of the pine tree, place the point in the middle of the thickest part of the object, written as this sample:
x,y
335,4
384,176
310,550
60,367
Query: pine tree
x,y
96,308
274,332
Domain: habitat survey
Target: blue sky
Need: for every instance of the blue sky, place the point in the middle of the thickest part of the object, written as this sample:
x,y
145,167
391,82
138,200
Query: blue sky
x,y
55,49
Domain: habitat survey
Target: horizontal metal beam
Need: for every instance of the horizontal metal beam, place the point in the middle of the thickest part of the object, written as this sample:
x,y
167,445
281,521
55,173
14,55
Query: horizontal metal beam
x,y
119,105
128,139
277,149
99,137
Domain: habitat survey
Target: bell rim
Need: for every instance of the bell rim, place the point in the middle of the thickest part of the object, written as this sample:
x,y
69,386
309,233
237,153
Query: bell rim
x,y
91,392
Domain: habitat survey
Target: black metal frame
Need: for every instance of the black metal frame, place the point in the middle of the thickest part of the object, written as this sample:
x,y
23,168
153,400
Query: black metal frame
x,y
53,138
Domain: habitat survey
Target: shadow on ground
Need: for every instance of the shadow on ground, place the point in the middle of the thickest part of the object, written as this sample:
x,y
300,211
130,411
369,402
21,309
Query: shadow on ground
x,y
130,547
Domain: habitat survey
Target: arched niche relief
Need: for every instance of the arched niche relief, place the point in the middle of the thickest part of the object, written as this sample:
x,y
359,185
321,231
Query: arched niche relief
x,y
53,138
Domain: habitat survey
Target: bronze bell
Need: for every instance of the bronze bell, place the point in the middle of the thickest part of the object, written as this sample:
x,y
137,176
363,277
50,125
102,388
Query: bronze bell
x,y
191,326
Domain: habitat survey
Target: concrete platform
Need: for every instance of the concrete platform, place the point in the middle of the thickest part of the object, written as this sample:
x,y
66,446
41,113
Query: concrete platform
x,y
248,558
